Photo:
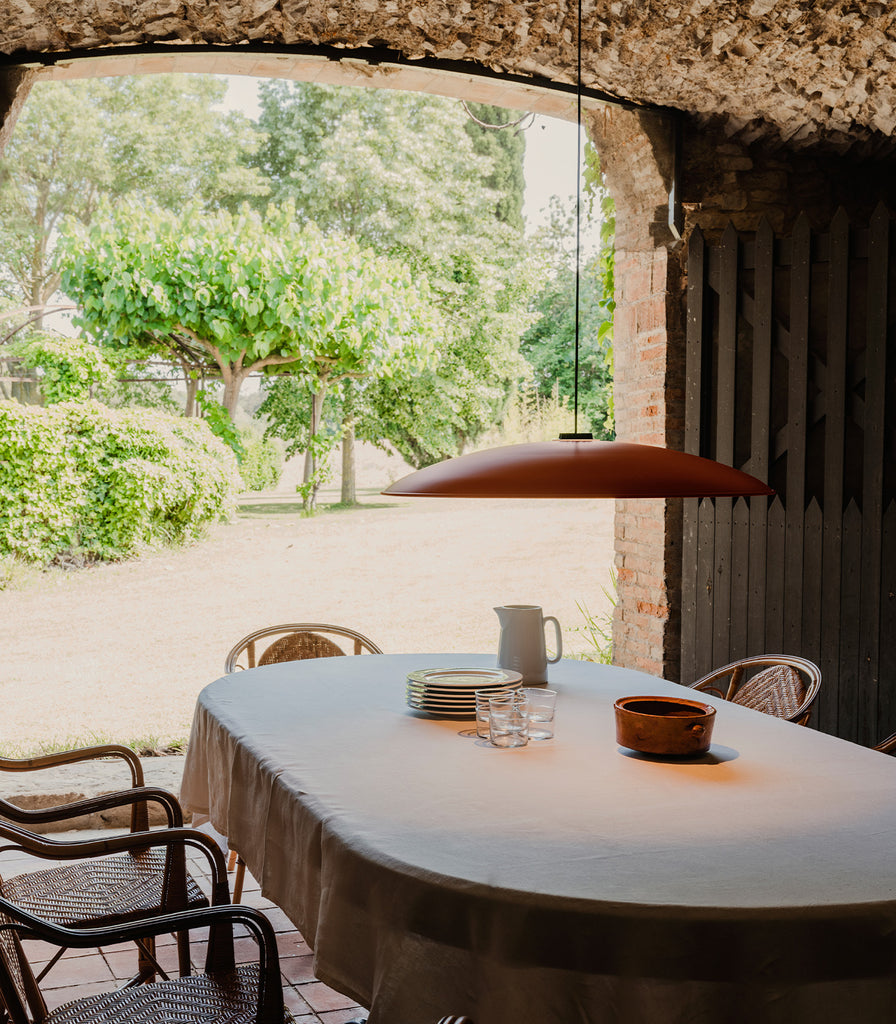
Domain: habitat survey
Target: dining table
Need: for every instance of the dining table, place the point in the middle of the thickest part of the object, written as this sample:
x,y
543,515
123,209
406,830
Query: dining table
x,y
569,880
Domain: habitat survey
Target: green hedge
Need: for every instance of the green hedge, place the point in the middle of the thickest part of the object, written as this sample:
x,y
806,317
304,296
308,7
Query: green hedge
x,y
83,478
261,464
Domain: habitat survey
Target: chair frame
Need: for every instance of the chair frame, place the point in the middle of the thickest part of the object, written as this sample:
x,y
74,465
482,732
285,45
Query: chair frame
x,y
138,797
736,670
220,955
247,644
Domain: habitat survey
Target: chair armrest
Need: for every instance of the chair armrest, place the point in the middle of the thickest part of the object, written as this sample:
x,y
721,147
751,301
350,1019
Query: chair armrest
x,y
135,797
103,752
270,999
107,751
887,746
706,687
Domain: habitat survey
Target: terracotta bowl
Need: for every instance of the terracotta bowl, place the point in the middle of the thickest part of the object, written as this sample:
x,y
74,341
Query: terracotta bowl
x,y
664,725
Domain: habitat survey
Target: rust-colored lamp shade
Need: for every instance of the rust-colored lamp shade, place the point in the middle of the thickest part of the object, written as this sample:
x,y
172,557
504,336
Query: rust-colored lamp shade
x,y
578,469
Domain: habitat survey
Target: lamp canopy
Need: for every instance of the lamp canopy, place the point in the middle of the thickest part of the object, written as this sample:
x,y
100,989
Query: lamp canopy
x,y
575,468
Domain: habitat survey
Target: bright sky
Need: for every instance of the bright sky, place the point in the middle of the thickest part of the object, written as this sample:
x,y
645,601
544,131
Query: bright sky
x,y
550,162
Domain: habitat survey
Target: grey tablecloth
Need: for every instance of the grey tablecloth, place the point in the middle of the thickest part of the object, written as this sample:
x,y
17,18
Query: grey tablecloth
x,y
566,881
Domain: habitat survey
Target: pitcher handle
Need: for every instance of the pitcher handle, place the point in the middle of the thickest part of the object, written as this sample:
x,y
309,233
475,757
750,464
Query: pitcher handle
x,y
559,654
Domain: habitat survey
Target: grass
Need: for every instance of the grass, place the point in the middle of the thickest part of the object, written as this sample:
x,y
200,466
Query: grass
x,y
147,746
16,574
598,630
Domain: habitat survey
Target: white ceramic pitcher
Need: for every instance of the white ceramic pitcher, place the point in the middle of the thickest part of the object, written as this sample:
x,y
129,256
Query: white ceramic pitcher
x,y
521,647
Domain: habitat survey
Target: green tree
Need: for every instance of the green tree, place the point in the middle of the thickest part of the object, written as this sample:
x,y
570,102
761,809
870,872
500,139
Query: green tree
x,y
400,172
249,294
78,142
550,344
498,134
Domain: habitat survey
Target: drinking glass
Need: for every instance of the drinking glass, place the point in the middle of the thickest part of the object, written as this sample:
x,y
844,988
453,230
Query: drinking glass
x,y
508,721
541,712
482,709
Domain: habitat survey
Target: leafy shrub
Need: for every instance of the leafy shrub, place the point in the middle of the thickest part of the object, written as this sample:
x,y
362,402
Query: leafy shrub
x,y
69,367
262,461
102,483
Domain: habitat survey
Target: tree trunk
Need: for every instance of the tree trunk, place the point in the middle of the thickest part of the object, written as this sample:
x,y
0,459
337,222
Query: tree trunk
x,y
349,495
192,384
309,476
232,384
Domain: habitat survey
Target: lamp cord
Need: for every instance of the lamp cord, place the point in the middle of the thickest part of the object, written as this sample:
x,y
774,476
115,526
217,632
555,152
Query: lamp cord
x,y
578,212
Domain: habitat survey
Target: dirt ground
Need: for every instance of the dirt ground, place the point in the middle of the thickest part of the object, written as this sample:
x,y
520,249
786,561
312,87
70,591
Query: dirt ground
x,y
120,652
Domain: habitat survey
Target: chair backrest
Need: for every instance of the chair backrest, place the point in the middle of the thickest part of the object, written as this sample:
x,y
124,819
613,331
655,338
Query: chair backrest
x,y
786,686
295,641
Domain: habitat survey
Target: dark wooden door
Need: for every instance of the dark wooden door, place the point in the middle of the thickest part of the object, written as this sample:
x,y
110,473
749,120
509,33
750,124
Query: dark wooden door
x,y
791,368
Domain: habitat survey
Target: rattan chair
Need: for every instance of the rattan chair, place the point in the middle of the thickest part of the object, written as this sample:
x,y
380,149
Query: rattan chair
x,y
786,686
138,882
223,994
887,746
296,641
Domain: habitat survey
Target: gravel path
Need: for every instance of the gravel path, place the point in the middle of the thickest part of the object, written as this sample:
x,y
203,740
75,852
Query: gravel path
x,y
119,652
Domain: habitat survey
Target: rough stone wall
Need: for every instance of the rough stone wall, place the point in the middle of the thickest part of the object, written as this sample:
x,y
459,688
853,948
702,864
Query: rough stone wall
x,y
792,70
724,180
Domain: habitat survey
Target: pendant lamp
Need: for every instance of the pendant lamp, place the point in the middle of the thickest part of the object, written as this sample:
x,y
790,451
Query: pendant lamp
x,y
575,465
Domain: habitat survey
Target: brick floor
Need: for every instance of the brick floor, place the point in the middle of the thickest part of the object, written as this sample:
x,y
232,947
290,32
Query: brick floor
x,y
86,972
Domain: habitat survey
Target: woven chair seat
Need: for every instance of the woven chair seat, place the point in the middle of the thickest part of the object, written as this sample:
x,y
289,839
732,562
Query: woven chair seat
x,y
778,691
105,890
230,998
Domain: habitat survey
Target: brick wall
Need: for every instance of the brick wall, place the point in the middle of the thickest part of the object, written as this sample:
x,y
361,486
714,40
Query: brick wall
x,y
635,151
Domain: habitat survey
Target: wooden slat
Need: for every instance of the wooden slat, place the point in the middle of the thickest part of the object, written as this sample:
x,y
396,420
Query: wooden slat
x,y
797,375
886,716
725,409
764,251
834,438
740,591
850,597
727,348
703,656
774,588
873,470
810,643
693,419
721,610
693,397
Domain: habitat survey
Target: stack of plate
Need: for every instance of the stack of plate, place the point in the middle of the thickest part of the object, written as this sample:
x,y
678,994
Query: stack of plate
x,y
450,692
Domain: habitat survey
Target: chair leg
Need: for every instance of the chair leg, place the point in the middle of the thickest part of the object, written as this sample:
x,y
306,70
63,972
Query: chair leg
x,y
183,954
238,879
146,967
231,860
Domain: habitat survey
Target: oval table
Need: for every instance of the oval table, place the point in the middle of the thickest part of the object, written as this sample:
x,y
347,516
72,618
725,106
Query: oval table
x,y
567,881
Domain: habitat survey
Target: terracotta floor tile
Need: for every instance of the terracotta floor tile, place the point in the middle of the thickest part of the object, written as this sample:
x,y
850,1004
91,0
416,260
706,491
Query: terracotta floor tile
x,y
292,944
294,1002
279,920
321,997
343,1016
82,970
297,969
59,996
